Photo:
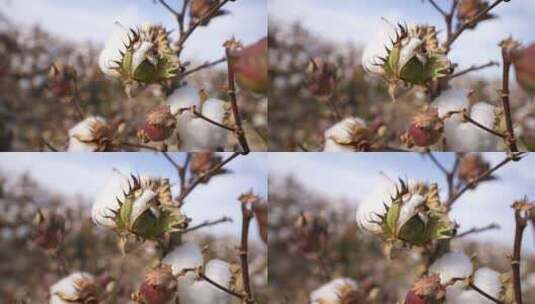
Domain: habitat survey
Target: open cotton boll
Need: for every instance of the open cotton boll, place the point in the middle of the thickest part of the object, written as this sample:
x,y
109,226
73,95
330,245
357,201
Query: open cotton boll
x,y
82,137
375,49
463,136
141,204
184,97
331,292
452,265
106,201
112,50
202,292
69,287
489,281
341,136
182,257
409,209
197,134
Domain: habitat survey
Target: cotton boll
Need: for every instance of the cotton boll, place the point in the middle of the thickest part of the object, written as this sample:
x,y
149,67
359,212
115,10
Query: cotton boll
x,y
375,49
330,293
197,134
68,287
182,257
452,265
344,135
112,51
141,204
82,137
489,281
202,292
184,97
409,209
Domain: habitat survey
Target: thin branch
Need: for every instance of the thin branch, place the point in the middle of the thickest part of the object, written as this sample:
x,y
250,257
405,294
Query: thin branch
x,y
521,224
478,230
224,219
474,68
214,283
437,163
234,103
203,66
199,115
479,125
168,7
247,216
470,23
187,33
187,189
483,293
139,146
511,140
438,8
472,183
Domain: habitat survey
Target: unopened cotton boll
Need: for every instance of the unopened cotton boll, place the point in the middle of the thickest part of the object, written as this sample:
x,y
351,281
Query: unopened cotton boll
x,y
452,265
464,136
203,292
111,53
89,135
334,291
74,288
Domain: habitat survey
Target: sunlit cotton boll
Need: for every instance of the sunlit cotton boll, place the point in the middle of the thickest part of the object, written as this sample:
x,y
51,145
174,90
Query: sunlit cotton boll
x,y
70,288
86,135
331,292
452,265
375,49
106,201
463,136
196,134
112,50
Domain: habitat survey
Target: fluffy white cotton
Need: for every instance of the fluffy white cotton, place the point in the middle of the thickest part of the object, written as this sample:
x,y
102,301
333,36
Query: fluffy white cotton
x,y
330,292
106,201
202,292
486,279
452,265
141,204
376,48
341,132
81,132
461,136
196,134
67,287
409,208
140,54
182,257
184,97
111,51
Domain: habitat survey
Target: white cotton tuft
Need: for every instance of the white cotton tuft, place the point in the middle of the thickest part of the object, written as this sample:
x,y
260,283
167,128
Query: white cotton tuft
x,y
197,134
202,292
376,48
409,209
112,50
452,265
182,257
82,133
330,292
140,54
67,287
184,97
462,136
341,132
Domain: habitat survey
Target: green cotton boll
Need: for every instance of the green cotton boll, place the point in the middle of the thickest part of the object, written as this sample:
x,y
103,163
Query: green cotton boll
x,y
414,231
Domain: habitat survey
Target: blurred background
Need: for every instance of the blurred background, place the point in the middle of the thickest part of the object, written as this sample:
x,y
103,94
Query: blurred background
x,y
36,33
331,185
68,183
338,31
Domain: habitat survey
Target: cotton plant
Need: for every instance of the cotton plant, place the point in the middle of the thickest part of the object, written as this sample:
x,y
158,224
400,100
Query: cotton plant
x,y
78,287
413,61
147,57
337,291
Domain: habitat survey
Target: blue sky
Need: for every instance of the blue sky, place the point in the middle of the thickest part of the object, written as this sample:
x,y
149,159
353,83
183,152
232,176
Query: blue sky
x,y
85,173
351,177
356,21
84,20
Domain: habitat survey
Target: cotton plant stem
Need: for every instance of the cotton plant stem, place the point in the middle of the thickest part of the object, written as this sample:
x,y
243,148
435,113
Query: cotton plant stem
x,y
224,219
511,140
247,216
521,224
212,282
234,103
478,230
202,67
474,68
